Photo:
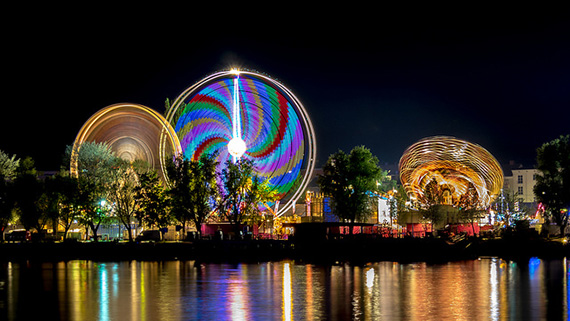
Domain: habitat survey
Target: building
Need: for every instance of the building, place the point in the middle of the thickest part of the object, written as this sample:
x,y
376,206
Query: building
x,y
519,182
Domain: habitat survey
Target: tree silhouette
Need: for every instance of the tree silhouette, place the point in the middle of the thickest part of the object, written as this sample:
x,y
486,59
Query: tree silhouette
x,y
242,192
349,179
552,186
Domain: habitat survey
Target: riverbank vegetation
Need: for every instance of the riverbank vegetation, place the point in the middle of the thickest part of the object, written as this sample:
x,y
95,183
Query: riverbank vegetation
x,y
109,189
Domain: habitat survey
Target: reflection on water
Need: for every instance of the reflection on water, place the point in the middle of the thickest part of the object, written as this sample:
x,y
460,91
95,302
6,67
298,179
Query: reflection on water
x,y
484,289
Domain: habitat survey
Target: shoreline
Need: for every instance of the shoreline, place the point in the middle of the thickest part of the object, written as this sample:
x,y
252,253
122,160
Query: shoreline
x,y
324,251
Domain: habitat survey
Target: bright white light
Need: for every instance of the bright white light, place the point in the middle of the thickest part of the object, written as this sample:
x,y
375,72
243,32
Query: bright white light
x,y
370,278
287,293
237,147
234,71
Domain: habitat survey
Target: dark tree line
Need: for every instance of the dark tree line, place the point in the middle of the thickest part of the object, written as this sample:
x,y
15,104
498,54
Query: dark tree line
x,y
108,188
553,181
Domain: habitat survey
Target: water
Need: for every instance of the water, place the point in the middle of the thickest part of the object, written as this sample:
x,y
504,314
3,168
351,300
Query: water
x,y
484,289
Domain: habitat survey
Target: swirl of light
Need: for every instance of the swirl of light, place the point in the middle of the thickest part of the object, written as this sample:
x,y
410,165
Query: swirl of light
x,y
452,162
255,117
134,132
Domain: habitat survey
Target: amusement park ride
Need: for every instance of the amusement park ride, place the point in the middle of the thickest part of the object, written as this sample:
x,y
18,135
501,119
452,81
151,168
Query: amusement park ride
x,y
238,114
234,114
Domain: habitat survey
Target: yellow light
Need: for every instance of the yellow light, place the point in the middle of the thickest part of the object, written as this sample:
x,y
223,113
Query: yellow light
x,y
452,163
99,127
234,71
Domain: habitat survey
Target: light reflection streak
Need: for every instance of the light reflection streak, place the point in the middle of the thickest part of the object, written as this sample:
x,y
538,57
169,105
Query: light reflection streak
x,y
369,293
566,289
370,278
62,285
115,280
287,293
485,289
354,274
104,294
142,299
76,289
494,282
12,291
413,286
238,295
503,283
536,276
134,289
310,302
533,265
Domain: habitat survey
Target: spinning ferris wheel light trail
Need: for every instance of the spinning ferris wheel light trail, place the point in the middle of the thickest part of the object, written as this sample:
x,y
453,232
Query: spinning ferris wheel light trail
x,y
230,114
238,114
236,146
453,164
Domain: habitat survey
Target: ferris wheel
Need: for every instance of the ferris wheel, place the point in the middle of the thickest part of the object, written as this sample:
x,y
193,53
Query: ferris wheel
x,y
242,114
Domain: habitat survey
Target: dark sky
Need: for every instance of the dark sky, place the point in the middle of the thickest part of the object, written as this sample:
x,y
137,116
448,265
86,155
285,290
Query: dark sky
x,y
385,80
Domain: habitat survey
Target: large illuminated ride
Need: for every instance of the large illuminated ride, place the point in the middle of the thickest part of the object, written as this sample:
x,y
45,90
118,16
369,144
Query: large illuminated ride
x,y
245,114
134,132
455,165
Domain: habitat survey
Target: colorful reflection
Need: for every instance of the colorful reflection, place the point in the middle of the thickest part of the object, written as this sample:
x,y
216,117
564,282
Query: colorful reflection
x,y
238,294
485,289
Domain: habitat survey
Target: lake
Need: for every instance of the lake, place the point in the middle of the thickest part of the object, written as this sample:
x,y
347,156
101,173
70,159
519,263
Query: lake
x,y
482,289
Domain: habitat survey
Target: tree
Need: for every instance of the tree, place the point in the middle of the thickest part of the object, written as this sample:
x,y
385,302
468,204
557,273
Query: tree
x,y
203,189
509,207
8,166
194,189
60,201
242,192
95,162
469,210
552,186
27,193
153,201
348,179
7,203
235,178
401,200
121,193
69,205
26,166
259,193
180,190
433,199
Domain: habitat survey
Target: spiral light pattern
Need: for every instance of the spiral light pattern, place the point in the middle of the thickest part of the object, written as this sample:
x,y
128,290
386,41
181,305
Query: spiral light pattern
x,y
451,162
269,118
134,132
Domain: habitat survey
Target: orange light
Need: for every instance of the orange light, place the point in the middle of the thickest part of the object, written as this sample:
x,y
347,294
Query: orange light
x,y
455,165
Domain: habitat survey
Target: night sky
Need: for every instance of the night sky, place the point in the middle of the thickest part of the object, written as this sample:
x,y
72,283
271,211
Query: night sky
x,y
499,79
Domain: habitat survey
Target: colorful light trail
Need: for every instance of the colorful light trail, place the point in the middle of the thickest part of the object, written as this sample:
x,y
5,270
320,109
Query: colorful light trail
x,y
246,114
134,132
455,165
